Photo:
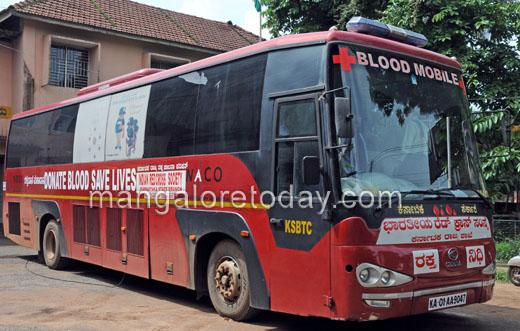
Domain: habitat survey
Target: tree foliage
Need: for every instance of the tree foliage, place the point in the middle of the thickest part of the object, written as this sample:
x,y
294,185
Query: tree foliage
x,y
483,35
299,16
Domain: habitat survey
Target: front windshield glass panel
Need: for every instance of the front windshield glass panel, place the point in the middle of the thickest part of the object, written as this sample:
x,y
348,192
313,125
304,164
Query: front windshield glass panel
x,y
405,109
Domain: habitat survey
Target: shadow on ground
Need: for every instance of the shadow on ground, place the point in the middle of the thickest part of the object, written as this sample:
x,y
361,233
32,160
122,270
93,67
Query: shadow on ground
x,y
4,241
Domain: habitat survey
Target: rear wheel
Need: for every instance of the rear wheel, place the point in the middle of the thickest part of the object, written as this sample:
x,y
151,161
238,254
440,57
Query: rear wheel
x,y
51,247
228,283
514,275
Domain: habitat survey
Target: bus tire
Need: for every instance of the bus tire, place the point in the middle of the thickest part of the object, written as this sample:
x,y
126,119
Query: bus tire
x,y
51,247
228,282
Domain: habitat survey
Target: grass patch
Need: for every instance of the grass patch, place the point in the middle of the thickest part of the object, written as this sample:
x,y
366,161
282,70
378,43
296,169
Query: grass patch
x,y
506,249
501,276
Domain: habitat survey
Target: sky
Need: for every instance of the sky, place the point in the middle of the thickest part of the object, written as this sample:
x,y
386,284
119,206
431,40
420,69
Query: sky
x,y
240,12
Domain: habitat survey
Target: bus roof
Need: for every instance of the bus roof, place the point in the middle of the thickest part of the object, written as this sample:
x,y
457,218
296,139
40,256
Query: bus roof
x,y
118,80
278,43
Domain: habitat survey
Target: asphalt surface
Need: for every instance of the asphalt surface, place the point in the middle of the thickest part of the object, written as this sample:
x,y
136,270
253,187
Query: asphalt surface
x,y
86,297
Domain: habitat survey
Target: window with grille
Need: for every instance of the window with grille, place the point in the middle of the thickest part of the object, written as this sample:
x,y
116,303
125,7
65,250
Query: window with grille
x,y
69,67
156,64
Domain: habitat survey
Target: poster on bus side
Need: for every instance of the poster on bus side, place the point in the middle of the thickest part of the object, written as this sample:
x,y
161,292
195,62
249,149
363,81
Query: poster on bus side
x,y
89,137
126,124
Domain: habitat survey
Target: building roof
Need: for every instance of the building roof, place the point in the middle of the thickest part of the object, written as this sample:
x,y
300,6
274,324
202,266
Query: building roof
x,y
138,19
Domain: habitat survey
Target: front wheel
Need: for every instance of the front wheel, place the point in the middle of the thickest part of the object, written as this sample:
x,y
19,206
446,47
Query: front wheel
x,y
514,275
51,247
228,283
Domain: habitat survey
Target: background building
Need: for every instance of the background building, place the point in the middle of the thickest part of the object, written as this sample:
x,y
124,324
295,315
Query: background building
x,y
49,49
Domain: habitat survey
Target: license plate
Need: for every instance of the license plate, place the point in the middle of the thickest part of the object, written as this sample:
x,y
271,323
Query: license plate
x,y
447,301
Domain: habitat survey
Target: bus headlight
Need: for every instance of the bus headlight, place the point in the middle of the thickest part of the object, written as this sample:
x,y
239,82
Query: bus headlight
x,y
364,275
386,277
370,275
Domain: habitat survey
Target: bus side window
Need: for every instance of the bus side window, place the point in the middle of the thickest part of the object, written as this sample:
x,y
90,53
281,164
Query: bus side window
x,y
215,110
42,139
171,117
296,137
228,107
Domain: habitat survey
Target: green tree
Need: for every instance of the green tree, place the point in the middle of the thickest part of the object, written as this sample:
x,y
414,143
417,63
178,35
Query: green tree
x,y
299,16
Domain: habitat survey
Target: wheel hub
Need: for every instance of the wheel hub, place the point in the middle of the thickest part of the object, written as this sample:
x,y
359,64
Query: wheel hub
x,y
227,279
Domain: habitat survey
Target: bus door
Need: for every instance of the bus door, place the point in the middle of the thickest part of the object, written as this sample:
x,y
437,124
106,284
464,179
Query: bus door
x,y
127,240
300,260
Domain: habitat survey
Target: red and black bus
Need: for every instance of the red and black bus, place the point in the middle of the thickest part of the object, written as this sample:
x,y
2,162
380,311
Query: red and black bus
x,y
250,177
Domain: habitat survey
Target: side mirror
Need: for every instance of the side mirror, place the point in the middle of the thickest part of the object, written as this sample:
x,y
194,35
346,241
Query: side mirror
x,y
343,117
311,170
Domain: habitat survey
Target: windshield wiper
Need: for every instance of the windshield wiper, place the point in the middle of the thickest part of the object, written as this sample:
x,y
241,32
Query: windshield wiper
x,y
439,193
480,195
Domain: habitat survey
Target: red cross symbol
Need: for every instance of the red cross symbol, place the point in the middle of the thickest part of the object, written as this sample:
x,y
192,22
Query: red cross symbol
x,y
461,84
343,58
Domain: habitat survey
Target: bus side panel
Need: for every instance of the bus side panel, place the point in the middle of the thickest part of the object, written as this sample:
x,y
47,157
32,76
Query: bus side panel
x,y
294,270
167,246
78,250
28,233
122,260
137,263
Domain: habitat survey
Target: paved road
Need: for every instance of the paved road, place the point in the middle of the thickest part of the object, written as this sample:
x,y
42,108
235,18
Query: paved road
x,y
33,297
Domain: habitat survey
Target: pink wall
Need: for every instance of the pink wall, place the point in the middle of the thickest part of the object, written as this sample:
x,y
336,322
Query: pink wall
x,y
110,56
6,63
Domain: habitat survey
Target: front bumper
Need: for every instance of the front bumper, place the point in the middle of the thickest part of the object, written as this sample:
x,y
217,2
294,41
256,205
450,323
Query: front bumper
x,y
353,301
411,303
428,292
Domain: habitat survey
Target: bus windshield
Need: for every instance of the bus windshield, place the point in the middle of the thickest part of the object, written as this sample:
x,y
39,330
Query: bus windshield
x,y
411,124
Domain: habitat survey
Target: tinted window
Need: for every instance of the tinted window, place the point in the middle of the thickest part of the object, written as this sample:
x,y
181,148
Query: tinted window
x,y
42,139
297,138
295,68
297,119
290,159
216,110
228,108
170,121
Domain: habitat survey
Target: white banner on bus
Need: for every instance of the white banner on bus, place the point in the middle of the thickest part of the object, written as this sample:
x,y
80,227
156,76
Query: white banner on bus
x,y
126,124
89,138
417,230
166,182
